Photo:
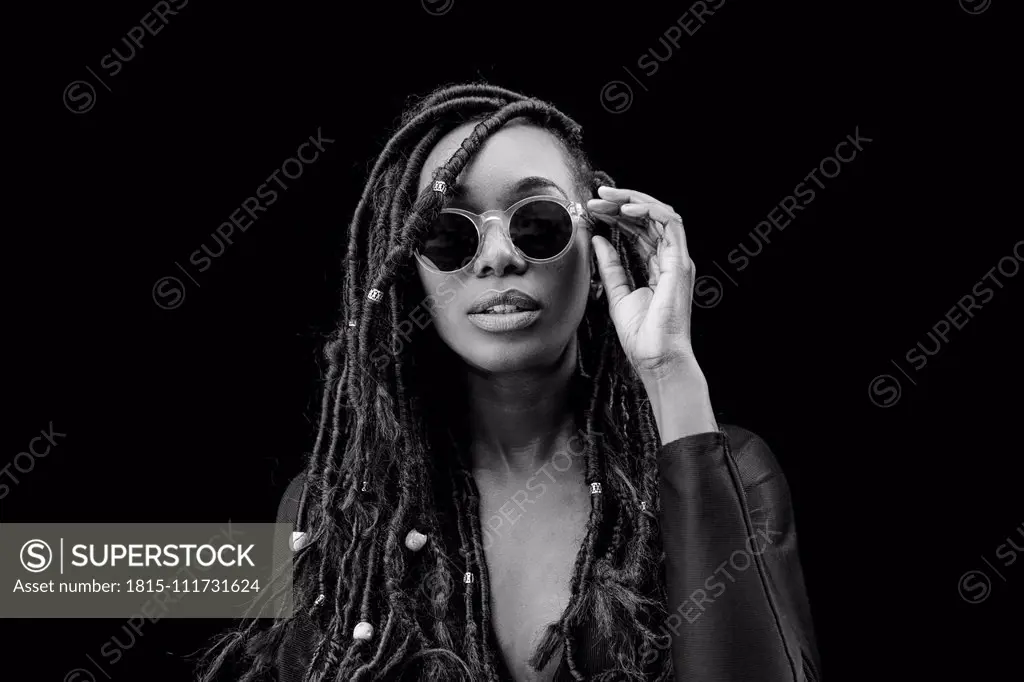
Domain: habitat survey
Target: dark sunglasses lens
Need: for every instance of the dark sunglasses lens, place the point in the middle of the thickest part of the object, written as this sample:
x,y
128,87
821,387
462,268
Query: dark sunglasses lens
x,y
541,229
451,242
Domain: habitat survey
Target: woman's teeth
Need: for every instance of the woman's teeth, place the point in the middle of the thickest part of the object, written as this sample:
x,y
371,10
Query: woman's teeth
x,y
501,310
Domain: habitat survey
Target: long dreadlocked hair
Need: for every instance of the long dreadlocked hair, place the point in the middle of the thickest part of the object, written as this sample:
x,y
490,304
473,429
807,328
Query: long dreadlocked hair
x,y
390,456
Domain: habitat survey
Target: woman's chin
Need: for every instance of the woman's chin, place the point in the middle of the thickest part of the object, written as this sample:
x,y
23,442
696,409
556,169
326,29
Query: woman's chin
x,y
504,356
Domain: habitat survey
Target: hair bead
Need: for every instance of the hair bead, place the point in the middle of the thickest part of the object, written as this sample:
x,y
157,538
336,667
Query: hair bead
x,y
297,540
375,295
468,578
415,540
363,631
595,488
643,506
440,186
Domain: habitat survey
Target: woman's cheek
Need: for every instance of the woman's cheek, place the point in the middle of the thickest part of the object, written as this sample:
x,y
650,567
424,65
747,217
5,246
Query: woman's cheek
x,y
444,288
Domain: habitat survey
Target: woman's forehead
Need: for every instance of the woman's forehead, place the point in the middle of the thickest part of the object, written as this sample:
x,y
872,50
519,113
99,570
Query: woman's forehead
x,y
516,151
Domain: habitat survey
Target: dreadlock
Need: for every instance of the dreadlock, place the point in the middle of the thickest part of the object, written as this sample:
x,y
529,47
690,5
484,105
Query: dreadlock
x,y
388,458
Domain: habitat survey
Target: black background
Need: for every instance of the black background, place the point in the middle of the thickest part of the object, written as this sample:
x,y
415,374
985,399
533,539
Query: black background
x,y
204,412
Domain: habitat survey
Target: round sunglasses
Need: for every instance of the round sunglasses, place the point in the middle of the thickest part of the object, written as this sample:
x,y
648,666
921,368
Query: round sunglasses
x,y
541,229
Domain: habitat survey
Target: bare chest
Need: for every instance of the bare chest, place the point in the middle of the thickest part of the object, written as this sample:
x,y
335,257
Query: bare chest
x,y
531,536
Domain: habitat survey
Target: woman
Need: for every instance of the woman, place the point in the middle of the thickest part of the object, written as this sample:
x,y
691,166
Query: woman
x,y
506,305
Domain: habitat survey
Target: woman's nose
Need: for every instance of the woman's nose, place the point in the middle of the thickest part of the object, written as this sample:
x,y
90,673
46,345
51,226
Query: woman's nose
x,y
497,254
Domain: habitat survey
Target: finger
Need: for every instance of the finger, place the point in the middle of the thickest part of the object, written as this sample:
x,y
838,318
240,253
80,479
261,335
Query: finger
x,y
675,235
672,253
640,221
653,217
640,237
613,275
603,206
635,232
653,271
655,210
676,272
622,195
627,197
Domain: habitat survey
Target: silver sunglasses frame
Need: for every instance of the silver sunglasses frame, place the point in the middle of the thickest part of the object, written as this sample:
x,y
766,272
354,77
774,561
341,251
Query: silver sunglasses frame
x,y
573,208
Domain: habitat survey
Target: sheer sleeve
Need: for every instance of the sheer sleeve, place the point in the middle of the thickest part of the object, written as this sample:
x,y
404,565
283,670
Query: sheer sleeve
x,y
295,653
738,608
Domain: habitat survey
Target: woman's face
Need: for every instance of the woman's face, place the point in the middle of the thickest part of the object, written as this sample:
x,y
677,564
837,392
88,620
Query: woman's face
x,y
517,161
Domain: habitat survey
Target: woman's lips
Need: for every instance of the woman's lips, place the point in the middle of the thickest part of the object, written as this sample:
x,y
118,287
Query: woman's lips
x,y
504,321
492,299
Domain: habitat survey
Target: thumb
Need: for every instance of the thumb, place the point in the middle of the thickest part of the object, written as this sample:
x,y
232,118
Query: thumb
x,y
613,275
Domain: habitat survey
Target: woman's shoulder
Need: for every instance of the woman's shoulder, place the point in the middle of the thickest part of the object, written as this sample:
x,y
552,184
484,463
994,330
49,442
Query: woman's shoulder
x,y
756,462
288,507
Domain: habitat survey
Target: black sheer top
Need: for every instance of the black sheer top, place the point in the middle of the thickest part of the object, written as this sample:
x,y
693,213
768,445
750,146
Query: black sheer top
x,y
738,608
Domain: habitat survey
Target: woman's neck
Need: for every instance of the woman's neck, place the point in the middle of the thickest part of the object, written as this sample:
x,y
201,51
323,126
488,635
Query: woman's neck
x,y
516,421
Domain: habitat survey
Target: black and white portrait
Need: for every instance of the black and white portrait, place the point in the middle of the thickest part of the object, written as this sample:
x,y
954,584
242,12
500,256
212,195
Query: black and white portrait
x,y
520,342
